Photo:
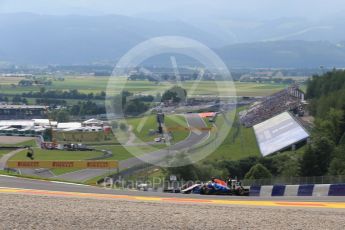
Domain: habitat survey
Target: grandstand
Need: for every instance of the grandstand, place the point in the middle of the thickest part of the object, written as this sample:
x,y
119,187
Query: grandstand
x,y
289,99
17,112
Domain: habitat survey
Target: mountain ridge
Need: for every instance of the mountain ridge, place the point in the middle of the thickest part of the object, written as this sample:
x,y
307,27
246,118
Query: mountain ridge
x,y
78,39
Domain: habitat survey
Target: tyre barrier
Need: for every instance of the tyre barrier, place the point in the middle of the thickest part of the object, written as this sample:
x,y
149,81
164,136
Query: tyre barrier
x,y
298,190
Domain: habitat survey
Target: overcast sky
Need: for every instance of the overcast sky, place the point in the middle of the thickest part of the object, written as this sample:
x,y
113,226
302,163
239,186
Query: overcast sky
x,y
254,9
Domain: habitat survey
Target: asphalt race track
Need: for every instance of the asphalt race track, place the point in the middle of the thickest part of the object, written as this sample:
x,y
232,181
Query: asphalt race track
x,y
193,120
24,183
33,204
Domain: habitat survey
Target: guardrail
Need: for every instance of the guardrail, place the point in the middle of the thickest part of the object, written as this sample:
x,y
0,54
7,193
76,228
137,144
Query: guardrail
x,y
298,190
296,180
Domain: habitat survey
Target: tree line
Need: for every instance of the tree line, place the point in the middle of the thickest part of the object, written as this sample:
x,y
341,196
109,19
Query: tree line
x,y
60,94
82,108
253,167
325,155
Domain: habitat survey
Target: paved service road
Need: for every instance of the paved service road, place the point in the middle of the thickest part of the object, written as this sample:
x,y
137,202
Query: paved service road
x,y
194,121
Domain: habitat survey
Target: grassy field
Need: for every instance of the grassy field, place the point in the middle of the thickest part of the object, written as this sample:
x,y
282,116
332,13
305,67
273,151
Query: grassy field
x,y
177,121
119,153
207,122
239,143
122,153
142,126
10,80
68,101
3,152
42,154
92,84
88,138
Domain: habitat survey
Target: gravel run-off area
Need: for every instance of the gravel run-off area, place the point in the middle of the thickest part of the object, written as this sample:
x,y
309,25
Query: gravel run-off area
x,y
46,212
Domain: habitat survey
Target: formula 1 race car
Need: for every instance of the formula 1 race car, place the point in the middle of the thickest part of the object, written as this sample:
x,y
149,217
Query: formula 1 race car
x,y
213,188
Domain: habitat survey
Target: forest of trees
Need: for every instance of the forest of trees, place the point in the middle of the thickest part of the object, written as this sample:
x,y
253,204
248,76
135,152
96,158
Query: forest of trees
x,y
127,104
59,94
326,152
82,108
176,94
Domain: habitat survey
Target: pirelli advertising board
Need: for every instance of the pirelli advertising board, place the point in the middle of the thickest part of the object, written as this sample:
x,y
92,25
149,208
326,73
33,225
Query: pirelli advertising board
x,y
63,164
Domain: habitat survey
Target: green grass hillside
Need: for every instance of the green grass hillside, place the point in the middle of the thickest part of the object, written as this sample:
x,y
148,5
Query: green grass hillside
x,y
142,126
177,121
239,143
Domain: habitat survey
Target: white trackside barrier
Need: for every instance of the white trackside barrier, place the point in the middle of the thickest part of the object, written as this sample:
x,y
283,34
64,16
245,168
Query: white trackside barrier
x,y
291,190
298,190
266,190
321,189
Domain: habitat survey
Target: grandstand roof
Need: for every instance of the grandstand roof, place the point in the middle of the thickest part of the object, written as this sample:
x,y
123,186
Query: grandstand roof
x,y
25,123
22,106
41,121
278,133
93,121
69,125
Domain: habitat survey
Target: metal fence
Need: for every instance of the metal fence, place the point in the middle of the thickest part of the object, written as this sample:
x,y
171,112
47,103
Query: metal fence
x,y
296,180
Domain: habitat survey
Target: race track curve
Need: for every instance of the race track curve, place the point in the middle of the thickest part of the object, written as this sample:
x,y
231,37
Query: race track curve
x,y
195,137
